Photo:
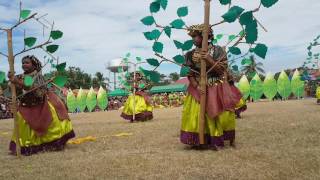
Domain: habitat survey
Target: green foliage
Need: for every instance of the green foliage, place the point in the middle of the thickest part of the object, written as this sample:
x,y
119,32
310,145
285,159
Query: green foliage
x,y
24,13
233,13
153,62
261,50
60,80
225,2
268,3
244,87
256,88
179,59
61,67
157,47
178,24
154,7
52,48
246,18
270,86
178,44
30,41
102,98
167,30
182,11
91,100
27,81
56,34
148,20
235,50
71,102
184,71
2,77
187,45
284,86
251,32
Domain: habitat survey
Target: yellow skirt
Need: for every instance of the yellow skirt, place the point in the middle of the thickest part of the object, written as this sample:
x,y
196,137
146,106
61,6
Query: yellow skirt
x,y
216,130
143,110
318,92
59,132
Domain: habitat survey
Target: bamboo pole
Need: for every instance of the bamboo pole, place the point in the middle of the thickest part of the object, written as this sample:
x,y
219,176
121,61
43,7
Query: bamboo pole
x,y
134,93
203,74
13,91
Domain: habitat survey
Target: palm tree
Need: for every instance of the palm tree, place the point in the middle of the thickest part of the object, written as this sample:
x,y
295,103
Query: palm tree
x,y
252,68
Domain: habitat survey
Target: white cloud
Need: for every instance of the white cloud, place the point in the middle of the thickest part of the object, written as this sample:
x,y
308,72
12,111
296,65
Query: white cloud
x,y
97,31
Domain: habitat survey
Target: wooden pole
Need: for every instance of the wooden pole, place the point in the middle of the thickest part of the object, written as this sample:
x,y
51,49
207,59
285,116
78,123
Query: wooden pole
x,y
13,91
203,74
134,92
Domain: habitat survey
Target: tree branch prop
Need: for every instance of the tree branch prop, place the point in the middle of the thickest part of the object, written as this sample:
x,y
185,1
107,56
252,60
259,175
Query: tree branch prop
x,y
166,59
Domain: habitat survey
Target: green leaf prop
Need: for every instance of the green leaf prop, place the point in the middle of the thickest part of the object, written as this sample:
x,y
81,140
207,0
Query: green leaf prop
x,y
153,62
28,81
167,30
179,59
138,59
244,87
284,86
71,102
182,11
235,50
61,67
235,68
184,71
270,86
148,20
157,47
102,99
154,76
60,80
232,37
81,100
164,4
268,3
246,18
178,44
2,76
154,7
30,41
256,88
91,101
251,32
297,85
187,45
261,50
56,34
178,24
219,36
246,61
233,13
24,13
52,48
225,2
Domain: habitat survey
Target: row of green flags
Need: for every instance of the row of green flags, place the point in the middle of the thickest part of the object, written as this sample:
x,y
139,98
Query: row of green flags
x,y
270,87
89,100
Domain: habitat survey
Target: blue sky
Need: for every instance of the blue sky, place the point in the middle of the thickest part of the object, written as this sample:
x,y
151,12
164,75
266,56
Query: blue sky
x,y
98,31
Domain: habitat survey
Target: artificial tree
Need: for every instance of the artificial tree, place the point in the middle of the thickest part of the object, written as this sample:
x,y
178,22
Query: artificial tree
x,y
30,43
248,35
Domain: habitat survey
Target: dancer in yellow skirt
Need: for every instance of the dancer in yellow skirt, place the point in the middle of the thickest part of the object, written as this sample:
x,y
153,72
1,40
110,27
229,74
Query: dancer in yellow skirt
x,y
138,104
221,101
318,93
43,119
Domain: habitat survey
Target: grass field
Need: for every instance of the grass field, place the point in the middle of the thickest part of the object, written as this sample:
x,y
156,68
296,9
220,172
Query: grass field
x,y
275,140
